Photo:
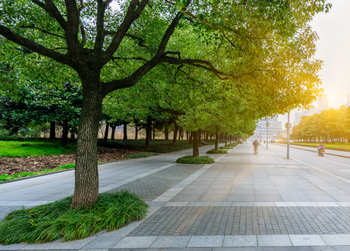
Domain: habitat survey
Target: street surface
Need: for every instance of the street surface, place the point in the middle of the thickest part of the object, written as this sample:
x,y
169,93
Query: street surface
x,y
260,202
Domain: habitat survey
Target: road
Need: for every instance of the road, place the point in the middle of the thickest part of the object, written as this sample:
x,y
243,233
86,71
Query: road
x,y
337,165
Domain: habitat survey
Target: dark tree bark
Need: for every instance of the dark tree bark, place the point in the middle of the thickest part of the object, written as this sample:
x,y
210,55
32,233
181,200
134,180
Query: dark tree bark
x,y
190,139
187,135
175,133
125,129
136,132
180,133
113,131
64,140
72,135
199,135
106,131
216,140
166,132
52,130
230,139
206,136
195,144
225,139
86,172
148,132
154,134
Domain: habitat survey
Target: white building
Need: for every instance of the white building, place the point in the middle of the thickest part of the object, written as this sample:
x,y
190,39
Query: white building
x,y
348,102
271,132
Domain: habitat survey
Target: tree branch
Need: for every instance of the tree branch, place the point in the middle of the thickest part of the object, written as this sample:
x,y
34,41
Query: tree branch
x,y
141,40
73,22
30,44
52,10
100,36
132,58
44,31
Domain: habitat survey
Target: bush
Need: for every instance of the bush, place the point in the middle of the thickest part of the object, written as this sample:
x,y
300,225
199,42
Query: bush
x,y
57,220
213,151
226,147
6,177
189,159
141,155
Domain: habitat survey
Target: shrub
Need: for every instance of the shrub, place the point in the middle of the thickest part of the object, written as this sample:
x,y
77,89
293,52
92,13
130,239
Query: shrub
x,y
213,151
57,220
225,147
141,155
189,159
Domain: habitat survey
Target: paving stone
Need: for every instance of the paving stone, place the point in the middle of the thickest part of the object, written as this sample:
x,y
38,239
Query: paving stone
x,y
12,246
307,240
274,240
171,242
240,241
77,244
103,242
136,242
206,241
336,239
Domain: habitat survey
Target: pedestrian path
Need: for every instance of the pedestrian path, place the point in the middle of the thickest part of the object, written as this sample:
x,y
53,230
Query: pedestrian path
x,y
345,154
257,202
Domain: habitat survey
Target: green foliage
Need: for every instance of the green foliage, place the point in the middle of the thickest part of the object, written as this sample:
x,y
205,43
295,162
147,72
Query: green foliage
x,y
25,148
189,159
225,147
213,151
233,144
57,220
6,177
141,155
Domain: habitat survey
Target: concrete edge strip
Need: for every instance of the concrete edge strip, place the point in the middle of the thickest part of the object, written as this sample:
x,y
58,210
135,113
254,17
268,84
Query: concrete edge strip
x,y
233,241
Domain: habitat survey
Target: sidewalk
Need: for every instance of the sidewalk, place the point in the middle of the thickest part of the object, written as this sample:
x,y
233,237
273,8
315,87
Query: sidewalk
x,y
313,149
260,202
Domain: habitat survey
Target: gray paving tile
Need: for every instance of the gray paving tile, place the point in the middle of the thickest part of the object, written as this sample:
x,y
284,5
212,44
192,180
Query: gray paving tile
x,y
77,244
323,248
307,240
103,242
12,246
287,249
240,241
336,239
274,240
171,242
206,241
136,242
239,249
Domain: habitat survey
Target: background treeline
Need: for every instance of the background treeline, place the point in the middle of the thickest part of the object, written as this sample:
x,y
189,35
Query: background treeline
x,y
329,125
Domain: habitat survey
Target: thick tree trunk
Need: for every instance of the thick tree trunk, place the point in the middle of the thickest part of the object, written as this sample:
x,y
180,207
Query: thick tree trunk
x,y
86,172
125,128
64,139
52,130
148,132
225,139
136,132
166,132
195,144
216,140
113,132
106,131
175,133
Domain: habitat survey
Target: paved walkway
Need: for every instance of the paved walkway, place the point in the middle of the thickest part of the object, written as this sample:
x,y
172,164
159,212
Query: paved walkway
x,y
242,202
345,154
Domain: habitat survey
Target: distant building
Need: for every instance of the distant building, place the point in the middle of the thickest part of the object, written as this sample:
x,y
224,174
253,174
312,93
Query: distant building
x,y
348,102
322,104
262,132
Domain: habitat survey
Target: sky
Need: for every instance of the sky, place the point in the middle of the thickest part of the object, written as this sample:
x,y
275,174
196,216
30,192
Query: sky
x,y
333,47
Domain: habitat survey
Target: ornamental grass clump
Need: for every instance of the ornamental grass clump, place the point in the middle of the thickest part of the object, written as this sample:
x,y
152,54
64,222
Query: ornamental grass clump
x,y
141,155
189,159
213,151
57,220
225,147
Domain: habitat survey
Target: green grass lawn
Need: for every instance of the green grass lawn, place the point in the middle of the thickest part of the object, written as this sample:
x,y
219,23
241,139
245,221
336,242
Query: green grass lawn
x,y
32,148
327,145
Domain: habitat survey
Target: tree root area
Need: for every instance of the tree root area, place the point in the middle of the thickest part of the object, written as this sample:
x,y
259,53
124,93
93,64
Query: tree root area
x,y
12,166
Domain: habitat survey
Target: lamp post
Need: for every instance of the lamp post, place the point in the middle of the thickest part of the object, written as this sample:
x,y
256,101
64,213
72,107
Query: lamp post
x,y
288,137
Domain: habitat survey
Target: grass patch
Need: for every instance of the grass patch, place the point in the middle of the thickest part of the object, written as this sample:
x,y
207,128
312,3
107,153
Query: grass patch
x,y
189,159
57,220
30,148
225,147
141,155
6,177
213,151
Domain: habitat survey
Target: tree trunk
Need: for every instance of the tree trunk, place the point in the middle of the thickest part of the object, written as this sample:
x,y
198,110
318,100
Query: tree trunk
x,y
86,172
64,140
175,133
187,135
216,140
72,135
230,139
125,127
195,145
52,130
225,139
199,135
154,134
206,136
148,132
136,132
190,139
113,131
106,131
166,132
180,132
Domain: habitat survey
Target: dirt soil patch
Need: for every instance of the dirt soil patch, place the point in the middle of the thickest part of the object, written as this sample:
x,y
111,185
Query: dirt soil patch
x,y
38,163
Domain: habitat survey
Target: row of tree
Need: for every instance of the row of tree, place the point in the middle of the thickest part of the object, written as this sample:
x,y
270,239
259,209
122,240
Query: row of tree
x,y
329,125
211,65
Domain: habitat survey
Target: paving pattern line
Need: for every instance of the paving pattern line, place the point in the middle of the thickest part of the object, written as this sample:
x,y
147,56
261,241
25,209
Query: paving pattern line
x,y
318,169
